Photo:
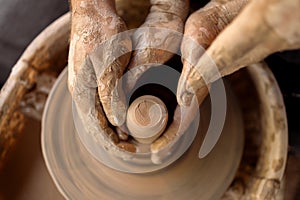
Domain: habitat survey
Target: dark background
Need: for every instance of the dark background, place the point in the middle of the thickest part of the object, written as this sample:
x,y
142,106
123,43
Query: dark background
x,y
20,22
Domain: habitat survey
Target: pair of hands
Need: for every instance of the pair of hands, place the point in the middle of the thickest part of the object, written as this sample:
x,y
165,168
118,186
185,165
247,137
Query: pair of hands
x,y
261,28
93,63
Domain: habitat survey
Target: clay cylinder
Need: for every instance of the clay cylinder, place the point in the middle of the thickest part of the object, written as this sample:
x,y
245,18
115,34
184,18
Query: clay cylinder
x,y
147,118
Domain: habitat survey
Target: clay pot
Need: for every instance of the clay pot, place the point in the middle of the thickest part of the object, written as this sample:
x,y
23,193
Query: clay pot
x,y
22,102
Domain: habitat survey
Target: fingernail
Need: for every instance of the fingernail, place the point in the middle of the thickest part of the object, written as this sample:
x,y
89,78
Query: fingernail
x,y
185,99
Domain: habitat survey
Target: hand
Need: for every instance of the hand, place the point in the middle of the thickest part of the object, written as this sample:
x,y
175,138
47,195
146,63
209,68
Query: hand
x,y
91,62
262,28
156,41
201,28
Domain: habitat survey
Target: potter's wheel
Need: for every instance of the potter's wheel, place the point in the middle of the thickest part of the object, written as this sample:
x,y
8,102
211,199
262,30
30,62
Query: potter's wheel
x,y
78,175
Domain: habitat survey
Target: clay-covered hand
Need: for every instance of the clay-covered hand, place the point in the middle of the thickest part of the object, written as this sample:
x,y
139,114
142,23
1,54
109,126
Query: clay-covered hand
x,y
252,31
261,28
201,29
156,41
98,55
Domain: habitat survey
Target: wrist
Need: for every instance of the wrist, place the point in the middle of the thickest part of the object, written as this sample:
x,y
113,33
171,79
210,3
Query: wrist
x,y
92,7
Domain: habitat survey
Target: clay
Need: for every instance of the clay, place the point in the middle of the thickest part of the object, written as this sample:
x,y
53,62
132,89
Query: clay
x,y
147,118
43,53
127,146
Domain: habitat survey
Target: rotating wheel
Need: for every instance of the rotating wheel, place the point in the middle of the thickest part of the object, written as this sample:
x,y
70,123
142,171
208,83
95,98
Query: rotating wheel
x,y
79,175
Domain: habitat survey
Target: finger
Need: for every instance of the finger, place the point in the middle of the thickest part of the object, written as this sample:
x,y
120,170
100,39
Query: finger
x,y
274,26
83,88
186,86
183,117
158,38
109,60
90,112
201,28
